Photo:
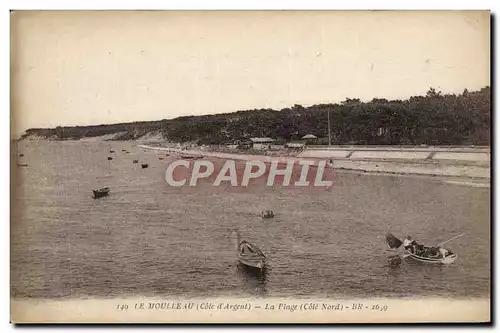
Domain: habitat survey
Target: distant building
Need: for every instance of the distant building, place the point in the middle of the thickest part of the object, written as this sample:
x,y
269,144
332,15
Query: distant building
x,y
295,145
310,139
243,143
261,143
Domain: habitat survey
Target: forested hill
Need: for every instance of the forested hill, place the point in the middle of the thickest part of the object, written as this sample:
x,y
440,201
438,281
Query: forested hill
x,y
434,119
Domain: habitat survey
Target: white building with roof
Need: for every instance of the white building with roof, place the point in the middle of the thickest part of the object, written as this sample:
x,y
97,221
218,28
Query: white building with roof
x,y
261,143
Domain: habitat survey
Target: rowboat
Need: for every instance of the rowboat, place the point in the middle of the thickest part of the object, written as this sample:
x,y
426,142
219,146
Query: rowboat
x,y
436,260
144,166
435,255
250,255
268,214
101,193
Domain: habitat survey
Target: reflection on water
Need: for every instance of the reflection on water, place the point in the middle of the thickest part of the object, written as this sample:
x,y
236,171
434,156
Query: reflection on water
x,y
253,279
394,260
394,270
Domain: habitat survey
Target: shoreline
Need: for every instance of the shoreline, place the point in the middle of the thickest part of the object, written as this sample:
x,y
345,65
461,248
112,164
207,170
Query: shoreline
x,y
450,170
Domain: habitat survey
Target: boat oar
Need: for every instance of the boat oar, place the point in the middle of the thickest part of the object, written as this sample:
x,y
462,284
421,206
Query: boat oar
x,y
451,239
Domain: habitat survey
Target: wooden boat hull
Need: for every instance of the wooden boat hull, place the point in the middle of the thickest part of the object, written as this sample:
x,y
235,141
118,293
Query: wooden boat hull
x,y
100,193
250,255
255,262
446,260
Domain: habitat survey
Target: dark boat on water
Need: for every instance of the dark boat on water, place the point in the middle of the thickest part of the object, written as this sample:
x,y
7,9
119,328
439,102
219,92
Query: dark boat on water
x,y
135,161
111,151
21,155
160,158
268,214
101,193
249,254
110,158
144,166
22,165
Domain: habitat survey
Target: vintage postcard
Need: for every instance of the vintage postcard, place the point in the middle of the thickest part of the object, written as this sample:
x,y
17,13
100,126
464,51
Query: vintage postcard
x,y
250,167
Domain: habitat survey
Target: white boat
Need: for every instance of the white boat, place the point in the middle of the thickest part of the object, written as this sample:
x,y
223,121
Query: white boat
x,y
249,254
434,254
437,260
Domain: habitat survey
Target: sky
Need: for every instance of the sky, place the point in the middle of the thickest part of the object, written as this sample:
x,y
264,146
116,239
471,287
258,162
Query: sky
x,y
87,68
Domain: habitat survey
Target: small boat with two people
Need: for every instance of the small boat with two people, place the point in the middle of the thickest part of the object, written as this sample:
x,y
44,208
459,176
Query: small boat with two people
x,y
249,254
428,254
268,214
101,192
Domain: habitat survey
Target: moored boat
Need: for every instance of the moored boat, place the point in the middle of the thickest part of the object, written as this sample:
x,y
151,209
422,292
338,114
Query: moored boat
x,y
144,166
101,192
268,214
250,255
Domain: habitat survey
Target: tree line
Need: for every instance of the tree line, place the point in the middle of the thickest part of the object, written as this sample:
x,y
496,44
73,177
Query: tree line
x,y
433,119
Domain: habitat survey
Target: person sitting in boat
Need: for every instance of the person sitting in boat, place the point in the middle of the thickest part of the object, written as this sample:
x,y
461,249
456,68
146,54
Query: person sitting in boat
x,y
444,252
432,252
409,244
